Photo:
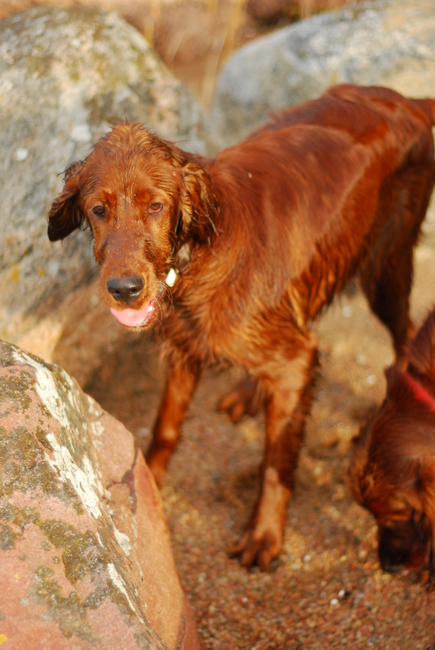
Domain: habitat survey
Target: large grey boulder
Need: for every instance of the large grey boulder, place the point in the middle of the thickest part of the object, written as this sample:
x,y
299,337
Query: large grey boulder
x,y
384,42
65,76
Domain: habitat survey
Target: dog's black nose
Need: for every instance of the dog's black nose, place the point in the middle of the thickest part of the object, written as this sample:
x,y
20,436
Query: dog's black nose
x,y
125,289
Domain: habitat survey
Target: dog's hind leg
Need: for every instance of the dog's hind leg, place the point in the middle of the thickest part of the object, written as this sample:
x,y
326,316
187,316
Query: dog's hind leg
x,y
388,295
386,277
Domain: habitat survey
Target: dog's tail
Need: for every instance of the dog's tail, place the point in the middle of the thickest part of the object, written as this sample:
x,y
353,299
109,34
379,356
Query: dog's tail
x,y
422,349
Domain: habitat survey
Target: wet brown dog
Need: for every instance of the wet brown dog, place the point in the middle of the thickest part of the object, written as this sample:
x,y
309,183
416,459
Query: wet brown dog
x,y
392,472
239,253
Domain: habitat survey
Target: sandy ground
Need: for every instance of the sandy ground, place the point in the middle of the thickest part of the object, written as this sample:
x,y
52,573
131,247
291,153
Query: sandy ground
x,y
326,590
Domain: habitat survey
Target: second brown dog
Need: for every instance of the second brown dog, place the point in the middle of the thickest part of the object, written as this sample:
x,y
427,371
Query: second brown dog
x,y
392,472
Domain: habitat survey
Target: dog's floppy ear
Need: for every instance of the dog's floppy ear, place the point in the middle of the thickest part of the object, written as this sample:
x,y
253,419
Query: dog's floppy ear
x,y
198,202
358,463
66,214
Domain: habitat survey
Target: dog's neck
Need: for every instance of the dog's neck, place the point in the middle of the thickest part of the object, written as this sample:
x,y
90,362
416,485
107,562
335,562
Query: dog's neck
x,y
419,392
180,262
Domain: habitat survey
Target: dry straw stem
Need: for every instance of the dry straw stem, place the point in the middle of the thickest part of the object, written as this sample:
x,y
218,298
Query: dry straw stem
x,y
155,11
224,45
309,7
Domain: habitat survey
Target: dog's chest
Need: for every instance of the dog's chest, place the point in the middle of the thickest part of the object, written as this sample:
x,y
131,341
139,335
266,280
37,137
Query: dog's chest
x,y
226,324
207,320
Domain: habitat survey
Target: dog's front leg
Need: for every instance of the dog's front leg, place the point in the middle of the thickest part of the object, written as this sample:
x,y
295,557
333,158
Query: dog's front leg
x,y
288,401
180,385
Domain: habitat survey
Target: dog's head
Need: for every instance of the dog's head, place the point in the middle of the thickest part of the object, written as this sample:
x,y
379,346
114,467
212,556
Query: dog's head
x,y
392,470
146,202
388,476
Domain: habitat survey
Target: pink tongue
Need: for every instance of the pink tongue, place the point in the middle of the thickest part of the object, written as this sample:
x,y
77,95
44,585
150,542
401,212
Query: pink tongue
x,y
134,317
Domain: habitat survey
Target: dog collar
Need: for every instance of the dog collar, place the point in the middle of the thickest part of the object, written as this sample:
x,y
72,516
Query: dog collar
x,y
419,392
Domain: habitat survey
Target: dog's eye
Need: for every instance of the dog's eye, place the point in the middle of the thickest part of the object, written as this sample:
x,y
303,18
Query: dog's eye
x,y
155,208
99,210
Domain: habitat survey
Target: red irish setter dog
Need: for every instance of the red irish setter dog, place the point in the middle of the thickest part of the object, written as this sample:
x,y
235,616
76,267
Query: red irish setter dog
x,y
392,472
237,254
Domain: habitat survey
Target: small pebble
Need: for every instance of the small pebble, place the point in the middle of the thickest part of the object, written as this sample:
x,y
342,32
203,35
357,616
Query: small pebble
x,y
333,601
347,311
144,432
21,154
371,380
53,267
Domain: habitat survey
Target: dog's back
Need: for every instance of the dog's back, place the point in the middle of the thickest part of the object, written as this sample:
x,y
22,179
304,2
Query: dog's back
x,y
348,177
358,110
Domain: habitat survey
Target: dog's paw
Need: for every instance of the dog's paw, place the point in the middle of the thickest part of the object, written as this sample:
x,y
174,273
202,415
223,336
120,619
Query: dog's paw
x,y
258,547
246,398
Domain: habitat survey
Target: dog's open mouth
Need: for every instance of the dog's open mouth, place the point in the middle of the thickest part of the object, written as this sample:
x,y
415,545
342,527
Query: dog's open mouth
x,y
137,317
145,316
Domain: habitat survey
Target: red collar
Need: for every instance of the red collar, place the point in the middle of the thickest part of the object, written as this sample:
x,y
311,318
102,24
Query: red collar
x,y
419,392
